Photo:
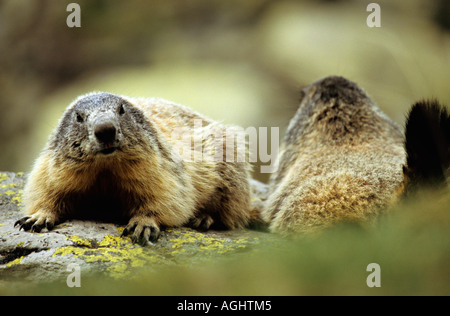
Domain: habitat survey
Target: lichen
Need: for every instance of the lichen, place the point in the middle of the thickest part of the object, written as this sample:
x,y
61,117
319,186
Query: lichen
x,y
12,191
17,199
206,244
3,177
121,257
81,242
14,262
120,253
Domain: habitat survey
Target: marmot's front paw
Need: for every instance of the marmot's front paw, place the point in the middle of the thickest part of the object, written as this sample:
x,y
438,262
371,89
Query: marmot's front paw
x,y
144,229
201,222
37,221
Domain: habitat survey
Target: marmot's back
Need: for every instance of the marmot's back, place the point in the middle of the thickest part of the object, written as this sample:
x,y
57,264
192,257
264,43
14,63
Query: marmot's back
x,y
341,160
201,144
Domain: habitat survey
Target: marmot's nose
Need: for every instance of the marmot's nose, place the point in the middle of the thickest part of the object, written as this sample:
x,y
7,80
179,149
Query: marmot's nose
x,y
105,133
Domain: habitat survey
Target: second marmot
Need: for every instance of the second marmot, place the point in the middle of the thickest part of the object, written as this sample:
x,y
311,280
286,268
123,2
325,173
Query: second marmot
x,y
342,160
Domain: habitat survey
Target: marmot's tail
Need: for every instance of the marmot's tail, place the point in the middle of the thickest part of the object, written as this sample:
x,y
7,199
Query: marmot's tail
x,y
427,145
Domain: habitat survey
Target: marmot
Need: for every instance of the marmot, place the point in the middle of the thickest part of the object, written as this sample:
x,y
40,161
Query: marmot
x,y
113,158
341,160
427,146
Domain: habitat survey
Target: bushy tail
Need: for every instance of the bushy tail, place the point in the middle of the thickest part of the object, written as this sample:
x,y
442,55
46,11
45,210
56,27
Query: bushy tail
x,y
427,145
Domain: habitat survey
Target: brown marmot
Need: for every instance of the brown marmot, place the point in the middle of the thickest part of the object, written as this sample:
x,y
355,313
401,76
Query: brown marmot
x,y
341,160
115,158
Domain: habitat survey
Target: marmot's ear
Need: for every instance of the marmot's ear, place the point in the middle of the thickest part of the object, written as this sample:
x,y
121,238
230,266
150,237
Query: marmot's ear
x,y
427,144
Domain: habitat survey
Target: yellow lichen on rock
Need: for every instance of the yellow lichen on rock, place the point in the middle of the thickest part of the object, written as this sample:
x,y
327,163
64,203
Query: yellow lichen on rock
x,y
122,258
119,252
14,262
206,244
3,177
12,191
17,199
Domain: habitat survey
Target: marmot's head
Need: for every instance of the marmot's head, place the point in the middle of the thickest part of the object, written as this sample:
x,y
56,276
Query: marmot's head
x,y
102,126
334,90
334,107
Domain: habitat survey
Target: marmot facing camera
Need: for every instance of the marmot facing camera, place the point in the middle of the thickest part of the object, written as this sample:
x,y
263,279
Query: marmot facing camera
x,y
112,158
341,160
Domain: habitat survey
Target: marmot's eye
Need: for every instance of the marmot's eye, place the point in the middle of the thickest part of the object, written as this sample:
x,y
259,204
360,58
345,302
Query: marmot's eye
x,y
302,95
79,118
121,109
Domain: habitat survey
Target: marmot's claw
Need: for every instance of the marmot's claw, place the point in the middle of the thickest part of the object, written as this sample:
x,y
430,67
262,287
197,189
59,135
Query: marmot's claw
x,y
36,228
142,234
153,233
201,222
24,223
34,224
21,221
127,230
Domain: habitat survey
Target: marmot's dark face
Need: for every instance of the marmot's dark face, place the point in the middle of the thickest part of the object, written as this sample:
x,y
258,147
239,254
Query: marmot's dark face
x,y
101,125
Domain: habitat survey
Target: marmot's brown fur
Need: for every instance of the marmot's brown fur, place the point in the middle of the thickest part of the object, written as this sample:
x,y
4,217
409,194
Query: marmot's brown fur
x,y
341,160
113,157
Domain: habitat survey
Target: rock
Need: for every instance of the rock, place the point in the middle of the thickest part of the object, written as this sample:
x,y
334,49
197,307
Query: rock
x,y
99,248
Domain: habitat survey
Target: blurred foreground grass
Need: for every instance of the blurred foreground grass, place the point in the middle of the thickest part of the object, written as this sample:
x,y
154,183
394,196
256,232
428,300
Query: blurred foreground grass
x,y
411,245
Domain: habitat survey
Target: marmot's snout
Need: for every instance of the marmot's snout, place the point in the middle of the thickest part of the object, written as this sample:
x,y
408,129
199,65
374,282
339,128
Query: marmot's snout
x,y
106,132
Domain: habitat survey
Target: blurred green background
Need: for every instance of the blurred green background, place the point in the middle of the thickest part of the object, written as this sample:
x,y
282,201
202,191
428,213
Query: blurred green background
x,y
240,62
